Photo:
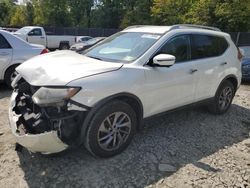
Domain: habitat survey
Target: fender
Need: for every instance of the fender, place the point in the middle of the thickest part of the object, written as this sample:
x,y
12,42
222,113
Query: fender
x,y
104,101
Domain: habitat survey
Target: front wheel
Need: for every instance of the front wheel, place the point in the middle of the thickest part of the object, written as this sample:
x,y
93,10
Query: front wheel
x,y
223,98
111,129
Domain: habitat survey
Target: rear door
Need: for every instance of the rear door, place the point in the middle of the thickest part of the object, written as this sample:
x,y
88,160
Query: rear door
x,y
35,36
5,54
207,51
171,87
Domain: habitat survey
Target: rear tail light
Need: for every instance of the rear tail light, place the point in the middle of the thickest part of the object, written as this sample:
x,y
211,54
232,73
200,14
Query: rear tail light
x,y
240,55
44,51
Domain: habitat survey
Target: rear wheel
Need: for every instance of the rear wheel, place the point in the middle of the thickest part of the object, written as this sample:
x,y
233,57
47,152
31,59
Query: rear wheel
x,y
111,129
10,75
223,98
64,46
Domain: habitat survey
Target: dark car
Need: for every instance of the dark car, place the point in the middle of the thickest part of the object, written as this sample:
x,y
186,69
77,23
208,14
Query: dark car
x,y
80,47
245,63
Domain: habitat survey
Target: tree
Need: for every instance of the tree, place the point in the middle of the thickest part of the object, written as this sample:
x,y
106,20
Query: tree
x,y
169,12
137,13
6,7
230,15
19,17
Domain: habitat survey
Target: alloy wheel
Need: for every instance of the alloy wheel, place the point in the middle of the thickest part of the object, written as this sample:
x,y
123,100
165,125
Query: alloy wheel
x,y
225,98
114,131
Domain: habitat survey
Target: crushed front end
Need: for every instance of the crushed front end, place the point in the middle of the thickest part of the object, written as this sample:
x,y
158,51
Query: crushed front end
x,y
40,126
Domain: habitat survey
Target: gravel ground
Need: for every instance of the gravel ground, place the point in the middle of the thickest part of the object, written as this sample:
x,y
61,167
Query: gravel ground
x,y
188,148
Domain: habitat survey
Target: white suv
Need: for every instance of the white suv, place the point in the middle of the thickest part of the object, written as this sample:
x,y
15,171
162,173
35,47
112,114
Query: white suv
x,y
101,97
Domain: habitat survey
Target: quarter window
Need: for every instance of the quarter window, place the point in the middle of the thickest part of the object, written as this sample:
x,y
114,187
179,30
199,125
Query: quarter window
x,y
179,47
4,43
205,46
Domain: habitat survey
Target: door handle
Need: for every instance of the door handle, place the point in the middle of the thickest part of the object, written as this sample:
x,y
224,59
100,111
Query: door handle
x,y
192,71
224,63
4,53
42,37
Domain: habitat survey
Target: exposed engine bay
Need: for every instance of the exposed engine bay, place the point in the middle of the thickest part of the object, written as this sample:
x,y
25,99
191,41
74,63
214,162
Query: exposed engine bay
x,y
35,119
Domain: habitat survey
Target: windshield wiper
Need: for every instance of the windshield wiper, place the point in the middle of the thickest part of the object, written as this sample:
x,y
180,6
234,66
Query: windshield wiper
x,y
95,57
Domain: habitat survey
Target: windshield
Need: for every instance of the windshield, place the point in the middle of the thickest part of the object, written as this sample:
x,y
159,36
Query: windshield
x,y
245,51
123,47
23,30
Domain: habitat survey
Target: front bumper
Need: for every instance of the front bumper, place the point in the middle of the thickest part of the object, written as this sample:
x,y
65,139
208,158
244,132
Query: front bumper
x,y
47,142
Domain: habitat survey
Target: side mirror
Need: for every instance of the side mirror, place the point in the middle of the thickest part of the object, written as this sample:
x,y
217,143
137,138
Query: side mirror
x,y
164,60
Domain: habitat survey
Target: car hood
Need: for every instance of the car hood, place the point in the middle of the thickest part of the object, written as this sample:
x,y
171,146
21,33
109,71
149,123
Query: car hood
x,y
61,67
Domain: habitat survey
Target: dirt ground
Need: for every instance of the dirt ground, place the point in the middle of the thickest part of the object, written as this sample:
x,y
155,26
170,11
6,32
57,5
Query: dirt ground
x,y
188,148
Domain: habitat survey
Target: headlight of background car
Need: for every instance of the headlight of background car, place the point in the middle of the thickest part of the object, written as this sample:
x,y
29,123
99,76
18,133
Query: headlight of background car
x,y
53,96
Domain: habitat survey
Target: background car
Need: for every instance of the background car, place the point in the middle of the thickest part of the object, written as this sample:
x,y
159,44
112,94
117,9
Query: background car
x,y
13,52
245,63
83,38
80,47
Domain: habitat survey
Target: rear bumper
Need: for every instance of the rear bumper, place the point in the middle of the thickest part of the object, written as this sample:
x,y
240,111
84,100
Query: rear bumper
x,y
47,142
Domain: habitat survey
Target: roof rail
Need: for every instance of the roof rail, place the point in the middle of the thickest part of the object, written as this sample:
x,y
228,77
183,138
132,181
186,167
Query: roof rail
x,y
134,26
179,26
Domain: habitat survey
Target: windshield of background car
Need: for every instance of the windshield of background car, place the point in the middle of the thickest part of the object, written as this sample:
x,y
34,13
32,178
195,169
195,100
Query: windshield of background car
x,y
123,47
92,41
23,30
245,51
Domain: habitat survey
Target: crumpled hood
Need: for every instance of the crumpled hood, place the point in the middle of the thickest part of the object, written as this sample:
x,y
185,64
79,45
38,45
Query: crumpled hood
x,y
62,67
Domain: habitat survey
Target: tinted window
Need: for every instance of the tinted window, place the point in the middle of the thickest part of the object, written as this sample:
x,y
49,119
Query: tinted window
x,y
4,43
204,46
179,47
35,32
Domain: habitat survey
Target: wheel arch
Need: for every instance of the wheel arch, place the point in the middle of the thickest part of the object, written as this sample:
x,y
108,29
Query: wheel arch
x,y
8,68
233,79
129,98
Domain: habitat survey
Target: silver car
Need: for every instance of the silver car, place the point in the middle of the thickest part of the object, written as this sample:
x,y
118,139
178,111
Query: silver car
x,y
13,52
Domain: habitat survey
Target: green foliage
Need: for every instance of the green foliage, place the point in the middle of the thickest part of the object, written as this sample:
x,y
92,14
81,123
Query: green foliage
x,y
169,12
19,16
229,15
6,7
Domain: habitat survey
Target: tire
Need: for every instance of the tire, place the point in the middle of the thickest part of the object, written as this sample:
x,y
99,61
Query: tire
x,y
9,75
223,98
100,131
64,46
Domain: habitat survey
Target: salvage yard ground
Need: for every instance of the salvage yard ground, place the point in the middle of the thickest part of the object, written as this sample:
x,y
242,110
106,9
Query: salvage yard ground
x,y
188,148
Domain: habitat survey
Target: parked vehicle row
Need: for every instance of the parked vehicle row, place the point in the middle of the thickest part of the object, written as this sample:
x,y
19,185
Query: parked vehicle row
x,y
13,52
101,97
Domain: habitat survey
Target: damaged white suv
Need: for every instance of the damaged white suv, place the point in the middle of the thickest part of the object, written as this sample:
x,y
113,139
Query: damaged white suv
x,y
100,98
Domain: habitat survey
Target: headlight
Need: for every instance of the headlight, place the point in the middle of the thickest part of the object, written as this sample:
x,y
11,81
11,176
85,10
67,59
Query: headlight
x,y
47,95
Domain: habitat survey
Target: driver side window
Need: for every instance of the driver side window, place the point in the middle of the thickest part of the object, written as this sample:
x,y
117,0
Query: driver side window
x,y
179,47
35,32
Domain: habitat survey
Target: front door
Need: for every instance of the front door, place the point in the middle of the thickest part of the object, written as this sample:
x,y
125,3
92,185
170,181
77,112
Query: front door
x,y
171,87
35,36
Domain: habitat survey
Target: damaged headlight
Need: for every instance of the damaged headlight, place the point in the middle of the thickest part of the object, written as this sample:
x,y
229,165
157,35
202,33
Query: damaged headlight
x,y
53,96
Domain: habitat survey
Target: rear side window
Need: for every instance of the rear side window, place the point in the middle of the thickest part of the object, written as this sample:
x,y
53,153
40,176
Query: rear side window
x,y
205,46
4,43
